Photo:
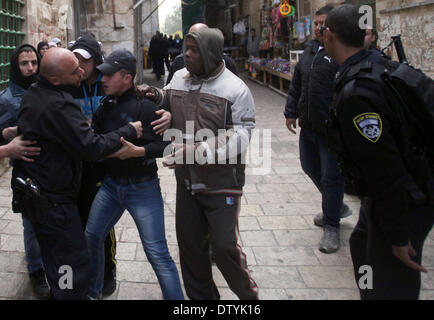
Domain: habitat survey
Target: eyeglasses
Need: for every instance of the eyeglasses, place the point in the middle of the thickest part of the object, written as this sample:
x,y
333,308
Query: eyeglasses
x,y
323,29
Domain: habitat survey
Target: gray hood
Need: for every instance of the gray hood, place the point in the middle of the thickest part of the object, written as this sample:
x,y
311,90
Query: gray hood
x,y
210,42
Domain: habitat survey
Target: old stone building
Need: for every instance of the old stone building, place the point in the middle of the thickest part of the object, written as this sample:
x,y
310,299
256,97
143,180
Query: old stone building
x,y
46,19
113,22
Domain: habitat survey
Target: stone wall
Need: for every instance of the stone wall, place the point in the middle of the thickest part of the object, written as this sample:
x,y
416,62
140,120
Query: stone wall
x,y
46,19
415,25
100,21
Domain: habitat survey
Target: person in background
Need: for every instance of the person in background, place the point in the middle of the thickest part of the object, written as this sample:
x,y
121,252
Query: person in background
x,y
42,48
57,41
310,99
253,42
156,52
371,38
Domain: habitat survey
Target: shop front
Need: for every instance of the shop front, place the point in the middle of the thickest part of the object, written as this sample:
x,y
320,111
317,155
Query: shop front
x,y
283,32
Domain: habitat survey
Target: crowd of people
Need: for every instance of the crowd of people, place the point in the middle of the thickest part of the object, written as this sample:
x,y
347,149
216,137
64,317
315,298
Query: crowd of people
x,y
76,155
163,50
85,139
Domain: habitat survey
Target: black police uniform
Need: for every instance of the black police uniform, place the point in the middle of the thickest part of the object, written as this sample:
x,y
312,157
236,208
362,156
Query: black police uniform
x,y
363,132
50,116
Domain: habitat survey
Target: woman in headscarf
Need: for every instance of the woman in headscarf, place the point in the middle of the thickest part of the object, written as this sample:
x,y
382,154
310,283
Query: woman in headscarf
x,y
42,48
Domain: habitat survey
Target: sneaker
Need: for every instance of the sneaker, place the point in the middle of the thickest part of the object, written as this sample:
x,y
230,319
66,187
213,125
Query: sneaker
x,y
330,240
345,212
109,282
39,284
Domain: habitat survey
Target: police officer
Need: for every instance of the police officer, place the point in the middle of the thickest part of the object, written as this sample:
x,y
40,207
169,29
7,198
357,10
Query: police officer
x,y
391,230
50,116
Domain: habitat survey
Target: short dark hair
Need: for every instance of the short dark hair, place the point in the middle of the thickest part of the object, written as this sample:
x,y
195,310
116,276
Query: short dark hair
x,y
324,10
344,22
124,72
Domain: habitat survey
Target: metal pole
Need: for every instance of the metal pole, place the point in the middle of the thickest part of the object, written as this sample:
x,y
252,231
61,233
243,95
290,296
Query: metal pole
x,y
153,11
138,14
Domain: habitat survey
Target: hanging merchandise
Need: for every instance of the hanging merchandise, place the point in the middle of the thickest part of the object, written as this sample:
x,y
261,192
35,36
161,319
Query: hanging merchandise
x,y
285,9
301,31
308,24
275,14
240,28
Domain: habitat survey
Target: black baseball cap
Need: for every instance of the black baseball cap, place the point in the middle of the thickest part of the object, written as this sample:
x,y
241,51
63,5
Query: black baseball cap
x,y
118,60
88,47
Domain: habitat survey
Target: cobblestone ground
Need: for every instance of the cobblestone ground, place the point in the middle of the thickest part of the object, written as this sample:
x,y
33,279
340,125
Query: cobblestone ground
x,y
276,227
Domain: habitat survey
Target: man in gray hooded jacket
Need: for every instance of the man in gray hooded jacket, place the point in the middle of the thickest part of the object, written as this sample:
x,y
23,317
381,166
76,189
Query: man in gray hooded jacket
x,y
207,100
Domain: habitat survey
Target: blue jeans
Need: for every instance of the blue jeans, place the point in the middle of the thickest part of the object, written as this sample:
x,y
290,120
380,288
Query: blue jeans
x,y
322,168
31,247
145,204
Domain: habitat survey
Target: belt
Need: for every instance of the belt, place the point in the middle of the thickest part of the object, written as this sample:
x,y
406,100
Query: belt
x,y
133,180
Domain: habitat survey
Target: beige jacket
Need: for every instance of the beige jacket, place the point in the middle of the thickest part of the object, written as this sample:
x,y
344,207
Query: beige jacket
x,y
222,101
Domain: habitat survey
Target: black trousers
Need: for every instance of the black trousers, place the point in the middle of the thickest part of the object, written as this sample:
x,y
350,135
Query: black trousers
x,y
201,218
392,279
64,252
92,177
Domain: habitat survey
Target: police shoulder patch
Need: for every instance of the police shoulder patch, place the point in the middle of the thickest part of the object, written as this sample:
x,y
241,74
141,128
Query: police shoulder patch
x,y
369,125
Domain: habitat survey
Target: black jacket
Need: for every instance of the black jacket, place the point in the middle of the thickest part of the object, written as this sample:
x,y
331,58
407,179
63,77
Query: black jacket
x,y
310,94
372,153
50,116
115,113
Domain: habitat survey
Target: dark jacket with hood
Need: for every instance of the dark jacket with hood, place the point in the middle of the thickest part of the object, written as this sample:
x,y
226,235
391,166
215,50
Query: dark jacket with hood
x,y
218,100
10,98
310,94
89,98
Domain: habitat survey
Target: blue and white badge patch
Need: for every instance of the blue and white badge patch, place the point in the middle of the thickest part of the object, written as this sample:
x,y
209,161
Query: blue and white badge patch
x,y
369,125
230,201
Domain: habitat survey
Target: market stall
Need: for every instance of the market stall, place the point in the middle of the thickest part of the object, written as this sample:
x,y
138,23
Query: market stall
x,y
283,34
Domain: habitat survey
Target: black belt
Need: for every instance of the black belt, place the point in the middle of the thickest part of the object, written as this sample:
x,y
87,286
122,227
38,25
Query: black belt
x,y
134,180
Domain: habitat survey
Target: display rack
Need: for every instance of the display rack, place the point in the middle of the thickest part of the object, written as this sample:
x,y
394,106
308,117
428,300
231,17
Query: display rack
x,y
275,80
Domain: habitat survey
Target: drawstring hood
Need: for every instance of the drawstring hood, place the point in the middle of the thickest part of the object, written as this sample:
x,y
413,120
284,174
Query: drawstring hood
x,y
210,43
15,74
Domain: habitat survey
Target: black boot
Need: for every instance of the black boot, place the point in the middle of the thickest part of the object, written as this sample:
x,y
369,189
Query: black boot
x,y
109,282
39,284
